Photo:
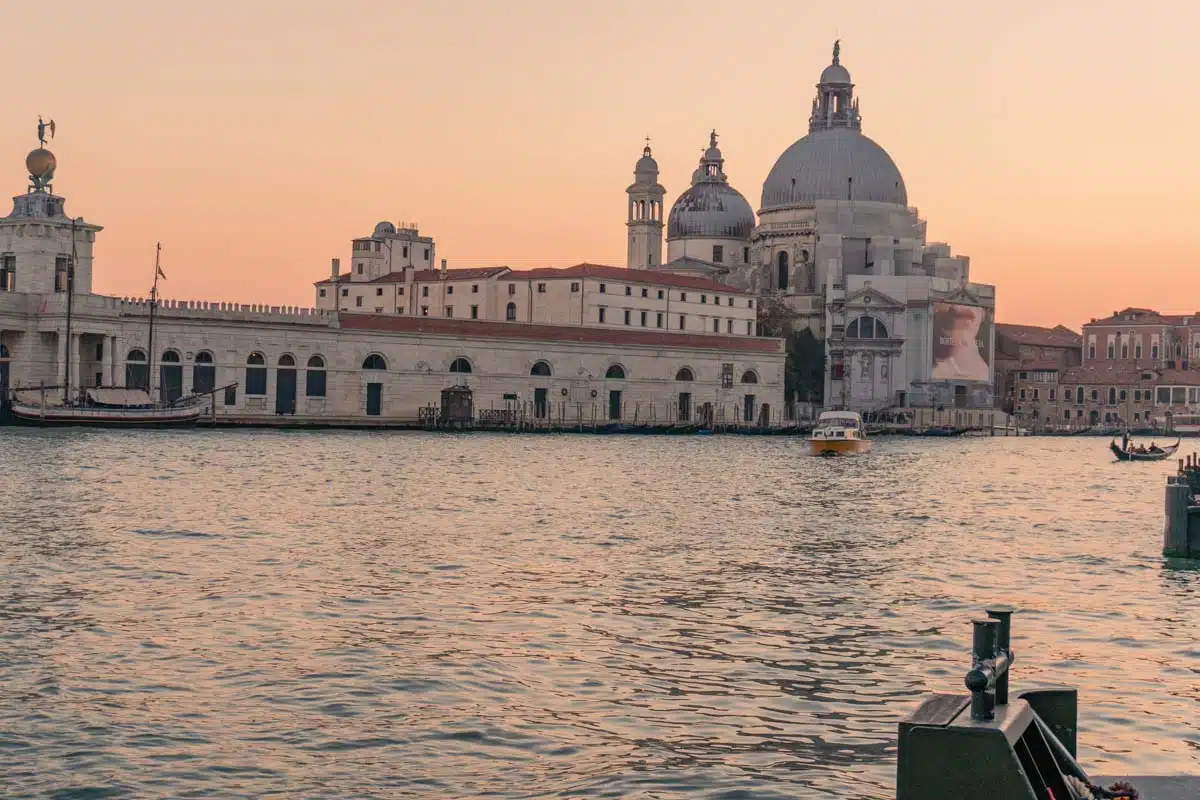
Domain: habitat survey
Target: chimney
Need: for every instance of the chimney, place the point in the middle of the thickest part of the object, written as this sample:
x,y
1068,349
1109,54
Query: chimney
x,y
336,269
443,269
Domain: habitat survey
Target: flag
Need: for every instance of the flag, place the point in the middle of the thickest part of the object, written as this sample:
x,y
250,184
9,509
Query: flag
x,y
51,129
161,274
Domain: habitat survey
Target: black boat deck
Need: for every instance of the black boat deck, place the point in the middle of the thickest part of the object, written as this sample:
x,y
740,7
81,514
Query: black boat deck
x,y
1160,787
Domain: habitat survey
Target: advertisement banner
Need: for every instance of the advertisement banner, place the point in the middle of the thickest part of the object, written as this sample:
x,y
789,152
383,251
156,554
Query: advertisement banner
x,y
962,343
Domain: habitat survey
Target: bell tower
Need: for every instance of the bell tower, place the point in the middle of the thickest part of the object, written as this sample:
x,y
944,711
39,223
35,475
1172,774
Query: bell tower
x,y
645,214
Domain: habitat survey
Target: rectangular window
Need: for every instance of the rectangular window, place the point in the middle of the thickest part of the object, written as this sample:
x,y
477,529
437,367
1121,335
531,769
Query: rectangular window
x,y
658,320
683,297
716,326
314,383
749,304
683,322
1153,352
749,328
379,292
358,302
449,290
360,268
1162,396
378,246
574,287
474,312
603,288
100,352
424,311
601,313
645,292
378,309
404,251
1053,395
231,395
1024,376
474,288
1123,395
730,303
426,253
628,315
718,254
449,311
729,326
60,274
660,294
541,288
424,291
1022,394
644,318
629,291
345,292
704,299
1035,394
512,288
322,292
745,255
400,291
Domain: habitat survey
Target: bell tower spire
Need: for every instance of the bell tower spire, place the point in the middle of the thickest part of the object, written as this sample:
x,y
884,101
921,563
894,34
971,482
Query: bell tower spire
x,y
835,105
645,214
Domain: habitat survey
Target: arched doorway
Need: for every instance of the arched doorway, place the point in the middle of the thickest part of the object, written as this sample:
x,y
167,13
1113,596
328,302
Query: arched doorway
x,y
170,377
204,373
285,385
137,371
374,365
541,394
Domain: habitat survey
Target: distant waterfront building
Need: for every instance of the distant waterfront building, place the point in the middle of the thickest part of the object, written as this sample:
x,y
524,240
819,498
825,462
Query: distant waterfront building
x,y
1136,367
1023,348
388,337
837,249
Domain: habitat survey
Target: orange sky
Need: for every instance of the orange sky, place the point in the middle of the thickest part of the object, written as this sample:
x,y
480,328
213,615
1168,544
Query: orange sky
x,y
1057,144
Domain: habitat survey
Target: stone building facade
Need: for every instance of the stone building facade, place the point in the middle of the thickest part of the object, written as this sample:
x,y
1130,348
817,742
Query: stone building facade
x,y
834,230
1024,348
642,347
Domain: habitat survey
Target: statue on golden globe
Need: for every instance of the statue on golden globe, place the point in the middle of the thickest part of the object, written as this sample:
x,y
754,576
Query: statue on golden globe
x,y
41,163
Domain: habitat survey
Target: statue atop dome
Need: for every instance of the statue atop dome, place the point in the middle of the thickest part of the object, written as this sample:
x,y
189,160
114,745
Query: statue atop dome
x,y
41,163
837,50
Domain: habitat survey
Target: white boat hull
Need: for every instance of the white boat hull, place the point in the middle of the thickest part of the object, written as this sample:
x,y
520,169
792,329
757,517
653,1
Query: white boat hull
x,y
113,417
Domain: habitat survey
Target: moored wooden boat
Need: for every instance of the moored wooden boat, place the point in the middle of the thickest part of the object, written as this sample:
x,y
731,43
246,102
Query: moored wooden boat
x,y
107,407
1156,454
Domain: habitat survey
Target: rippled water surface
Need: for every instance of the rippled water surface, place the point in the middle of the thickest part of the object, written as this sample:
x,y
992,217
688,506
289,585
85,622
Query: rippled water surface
x,y
208,614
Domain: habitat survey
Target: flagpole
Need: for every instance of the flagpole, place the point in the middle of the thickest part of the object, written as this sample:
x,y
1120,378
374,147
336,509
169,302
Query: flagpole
x,y
153,303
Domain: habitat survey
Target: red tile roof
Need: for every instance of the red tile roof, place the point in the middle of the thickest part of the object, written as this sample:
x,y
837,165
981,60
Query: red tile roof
x,y
1058,336
634,337
1146,316
345,276
626,275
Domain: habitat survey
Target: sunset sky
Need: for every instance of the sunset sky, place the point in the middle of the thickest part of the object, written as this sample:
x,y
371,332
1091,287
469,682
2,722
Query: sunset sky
x,y
1055,143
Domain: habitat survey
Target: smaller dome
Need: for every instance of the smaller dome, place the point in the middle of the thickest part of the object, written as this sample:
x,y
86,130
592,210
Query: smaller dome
x,y
384,228
710,210
835,74
41,163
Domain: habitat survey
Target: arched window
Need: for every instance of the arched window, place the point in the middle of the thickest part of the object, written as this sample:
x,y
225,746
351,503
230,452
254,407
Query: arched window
x,y
256,374
204,373
460,364
685,374
374,361
1067,414
781,269
1112,397
1079,395
3,351
314,377
541,369
749,376
137,371
616,372
866,328
510,312
286,360
170,357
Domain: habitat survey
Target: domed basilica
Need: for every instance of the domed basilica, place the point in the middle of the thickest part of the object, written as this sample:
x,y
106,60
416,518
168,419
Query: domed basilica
x,y
835,241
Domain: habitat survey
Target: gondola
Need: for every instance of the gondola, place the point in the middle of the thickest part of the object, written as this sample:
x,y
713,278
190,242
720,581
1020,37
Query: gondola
x,y
1158,455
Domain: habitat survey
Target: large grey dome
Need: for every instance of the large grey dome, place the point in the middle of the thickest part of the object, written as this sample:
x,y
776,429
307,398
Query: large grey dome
x,y
710,210
833,164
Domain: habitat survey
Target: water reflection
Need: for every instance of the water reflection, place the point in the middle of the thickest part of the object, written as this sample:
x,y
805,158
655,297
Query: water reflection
x,y
340,613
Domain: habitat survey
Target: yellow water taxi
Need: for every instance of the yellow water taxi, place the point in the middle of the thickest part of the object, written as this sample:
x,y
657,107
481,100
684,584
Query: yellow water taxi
x,y
839,433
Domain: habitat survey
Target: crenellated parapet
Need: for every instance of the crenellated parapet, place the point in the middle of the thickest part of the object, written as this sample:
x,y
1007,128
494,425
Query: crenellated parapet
x,y
187,309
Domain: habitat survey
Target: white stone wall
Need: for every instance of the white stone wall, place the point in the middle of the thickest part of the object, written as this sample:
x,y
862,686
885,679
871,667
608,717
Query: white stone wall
x,y
417,364
735,253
